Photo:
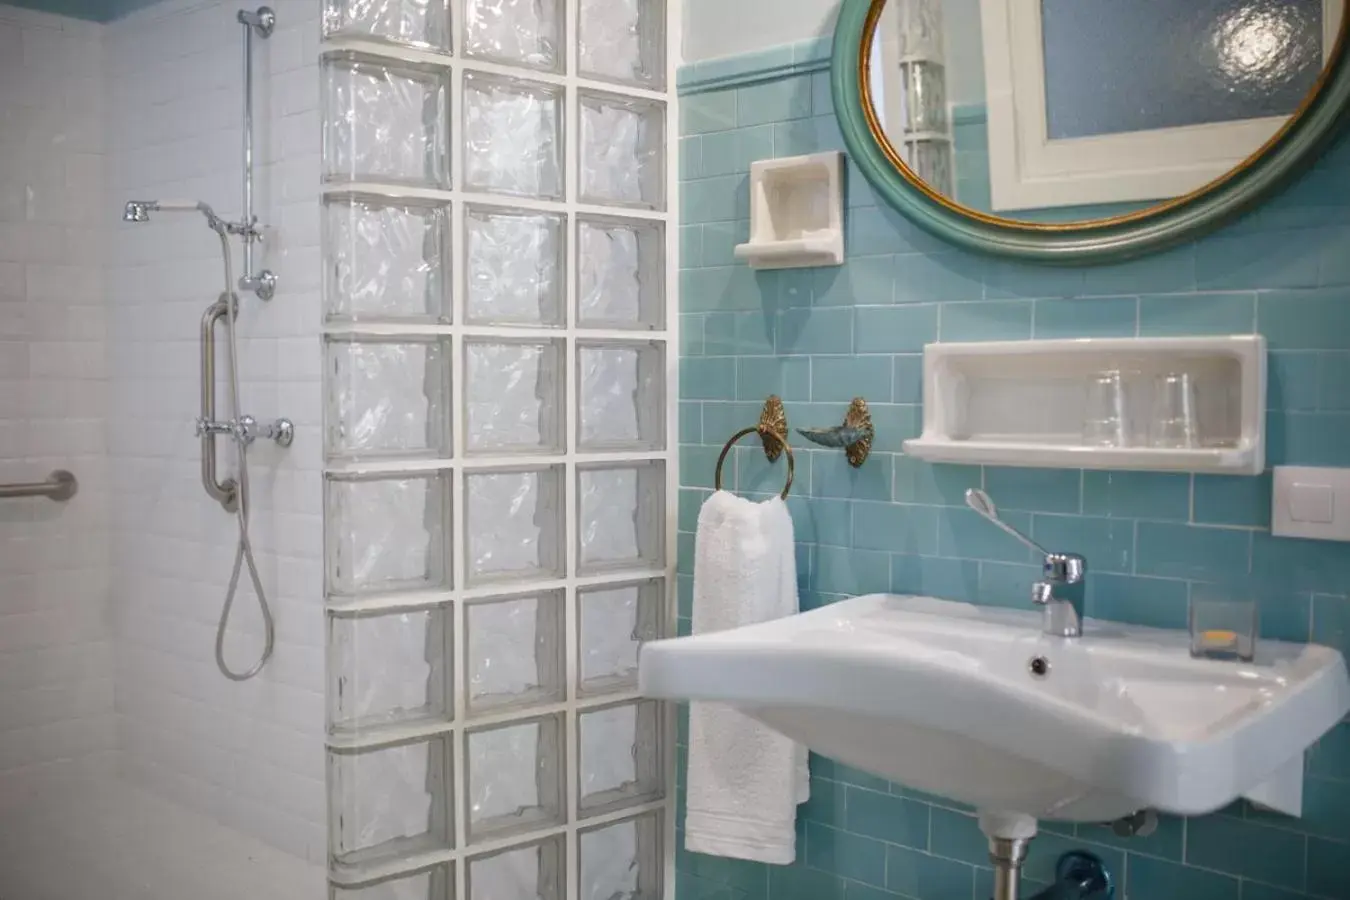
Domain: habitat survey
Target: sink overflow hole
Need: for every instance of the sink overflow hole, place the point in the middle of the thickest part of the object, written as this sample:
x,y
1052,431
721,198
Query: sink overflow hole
x,y
1039,667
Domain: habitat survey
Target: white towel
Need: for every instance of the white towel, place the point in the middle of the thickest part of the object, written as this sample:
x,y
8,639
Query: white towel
x,y
745,779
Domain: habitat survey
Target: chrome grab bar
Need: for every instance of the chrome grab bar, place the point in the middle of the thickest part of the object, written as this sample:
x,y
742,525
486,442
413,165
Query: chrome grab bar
x,y
225,493
60,485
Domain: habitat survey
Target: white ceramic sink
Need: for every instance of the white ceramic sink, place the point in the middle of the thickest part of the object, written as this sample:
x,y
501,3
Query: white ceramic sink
x,y
940,697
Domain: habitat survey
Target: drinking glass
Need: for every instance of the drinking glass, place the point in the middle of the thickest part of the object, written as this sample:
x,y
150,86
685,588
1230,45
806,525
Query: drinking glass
x,y
1174,417
1106,420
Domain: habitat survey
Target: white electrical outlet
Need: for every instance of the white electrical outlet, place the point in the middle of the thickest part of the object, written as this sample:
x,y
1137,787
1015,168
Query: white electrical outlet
x,y
1311,503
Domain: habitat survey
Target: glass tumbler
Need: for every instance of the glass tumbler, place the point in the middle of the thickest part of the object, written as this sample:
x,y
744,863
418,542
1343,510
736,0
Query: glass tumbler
x,y
1106,418
1174,417
1223,627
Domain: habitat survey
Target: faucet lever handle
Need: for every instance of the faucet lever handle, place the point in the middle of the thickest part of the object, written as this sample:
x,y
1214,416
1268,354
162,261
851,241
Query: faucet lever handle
x,y
979,501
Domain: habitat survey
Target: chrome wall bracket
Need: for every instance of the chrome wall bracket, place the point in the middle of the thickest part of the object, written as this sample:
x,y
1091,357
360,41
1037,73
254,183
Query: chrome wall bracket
x,y
260,22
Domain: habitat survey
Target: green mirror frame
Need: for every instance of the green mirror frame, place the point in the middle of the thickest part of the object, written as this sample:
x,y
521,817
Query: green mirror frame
x,y
1285,156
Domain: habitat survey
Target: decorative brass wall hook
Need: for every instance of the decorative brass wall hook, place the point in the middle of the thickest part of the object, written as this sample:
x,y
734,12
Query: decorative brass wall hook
x,y
855,435
772,431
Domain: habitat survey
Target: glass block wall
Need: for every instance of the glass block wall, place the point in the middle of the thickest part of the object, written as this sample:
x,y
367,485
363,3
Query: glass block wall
x,y
498,259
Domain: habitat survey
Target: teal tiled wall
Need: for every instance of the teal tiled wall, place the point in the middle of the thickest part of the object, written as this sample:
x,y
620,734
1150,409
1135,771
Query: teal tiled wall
x,y
819,337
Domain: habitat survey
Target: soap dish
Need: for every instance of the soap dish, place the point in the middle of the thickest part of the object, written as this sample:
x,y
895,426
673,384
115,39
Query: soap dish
x,y
796,212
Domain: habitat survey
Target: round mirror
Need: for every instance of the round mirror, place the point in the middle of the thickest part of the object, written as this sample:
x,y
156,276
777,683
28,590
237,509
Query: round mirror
x,y
1082,129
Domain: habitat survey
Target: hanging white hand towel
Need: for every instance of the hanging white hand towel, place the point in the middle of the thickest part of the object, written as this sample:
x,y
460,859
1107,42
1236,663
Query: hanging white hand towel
x,y
745,779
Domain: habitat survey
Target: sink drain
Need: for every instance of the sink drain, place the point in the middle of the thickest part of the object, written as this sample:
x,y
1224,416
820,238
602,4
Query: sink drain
x,y
1039,667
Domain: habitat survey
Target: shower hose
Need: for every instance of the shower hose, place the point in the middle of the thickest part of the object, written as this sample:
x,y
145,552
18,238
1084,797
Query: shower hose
x,y
243,554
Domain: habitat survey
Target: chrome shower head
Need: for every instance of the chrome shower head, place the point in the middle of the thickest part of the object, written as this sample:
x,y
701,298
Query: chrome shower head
x,y
137,211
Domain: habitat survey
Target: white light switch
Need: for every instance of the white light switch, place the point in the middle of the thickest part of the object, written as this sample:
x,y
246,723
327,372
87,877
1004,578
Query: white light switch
x,y
1311,503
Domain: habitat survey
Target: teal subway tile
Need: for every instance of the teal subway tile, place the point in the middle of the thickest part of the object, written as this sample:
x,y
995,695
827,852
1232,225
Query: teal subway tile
x,y
719,240
865,281
708,378
1150,878
964,534
1254,890
1034,490
957,836
746,64
710,111
1334,384
1185,551
1006,584
1295,564
939,277
942,484
699,887
723,419
748,879
895,528
816,520
928,576
833,770
815,330
1182,315
813,50
1334,266
1330,757
1167,841
919,875
714,199
1326,810
846,855
896,329
1049,846
1233,500
701,290
697,464
826,803
1084,317
796,138
691,246
691,422
774,101
886,817
691,334
787,376
1263,259
822,99
894,424
797,882
932,800
691,159
796,289
755,473
1328,868
858,191
727,288
832,476
1108,544
986,320
1247,849
684,601
1305,320
907,384
684,554
1331,621
1294,380
736,334
1285,616
1308,439
1154,602
1137,495
1031,281
691,501
732,152
841,378
850,572
854,890
1170,272
873,230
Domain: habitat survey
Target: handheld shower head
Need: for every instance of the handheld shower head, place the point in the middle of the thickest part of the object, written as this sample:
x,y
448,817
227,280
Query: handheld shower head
x,y
139,211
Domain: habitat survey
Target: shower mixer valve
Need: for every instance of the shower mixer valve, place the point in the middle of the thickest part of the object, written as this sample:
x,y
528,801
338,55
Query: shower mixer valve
x,y
248,429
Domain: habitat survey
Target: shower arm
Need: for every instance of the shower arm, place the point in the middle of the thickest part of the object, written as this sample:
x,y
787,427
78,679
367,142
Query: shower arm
x,y
264,283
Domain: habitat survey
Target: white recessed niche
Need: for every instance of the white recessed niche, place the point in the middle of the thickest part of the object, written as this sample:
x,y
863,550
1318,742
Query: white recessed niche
x,y
796,212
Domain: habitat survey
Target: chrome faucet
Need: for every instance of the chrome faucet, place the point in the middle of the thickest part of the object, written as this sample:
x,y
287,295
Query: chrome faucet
x,y
1062,588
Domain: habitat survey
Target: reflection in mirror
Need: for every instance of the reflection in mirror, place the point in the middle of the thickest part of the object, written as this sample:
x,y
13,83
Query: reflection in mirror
x,y
1075,110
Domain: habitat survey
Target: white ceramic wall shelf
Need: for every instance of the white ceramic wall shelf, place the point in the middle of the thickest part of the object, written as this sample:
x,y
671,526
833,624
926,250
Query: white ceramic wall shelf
x,y
1023,403
796,212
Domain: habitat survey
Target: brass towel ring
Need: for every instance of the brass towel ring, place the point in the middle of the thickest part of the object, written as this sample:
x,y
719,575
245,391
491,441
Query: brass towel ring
x,y
768,437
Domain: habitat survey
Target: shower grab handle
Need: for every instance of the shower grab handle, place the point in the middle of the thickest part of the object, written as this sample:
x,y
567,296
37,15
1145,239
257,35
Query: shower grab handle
x,y
225,493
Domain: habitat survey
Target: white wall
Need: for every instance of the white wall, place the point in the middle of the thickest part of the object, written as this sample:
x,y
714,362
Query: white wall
x,y
56,689
714,28
250,755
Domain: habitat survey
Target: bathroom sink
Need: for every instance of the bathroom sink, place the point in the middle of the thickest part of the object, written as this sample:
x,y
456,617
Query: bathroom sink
x,y
946,698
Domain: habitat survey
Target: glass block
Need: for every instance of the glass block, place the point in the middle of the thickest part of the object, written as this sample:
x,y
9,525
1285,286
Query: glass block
x,y
620,762
622,860
385,121
514,263
621,395
513,520
622,153
513,396
387,397
621,273
924,95
613,622
931,160
516,777
621,512
389,668
623,40
531,872
436,883
513,140
389,803
386,260
412,23
516,32
387,533
515,651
